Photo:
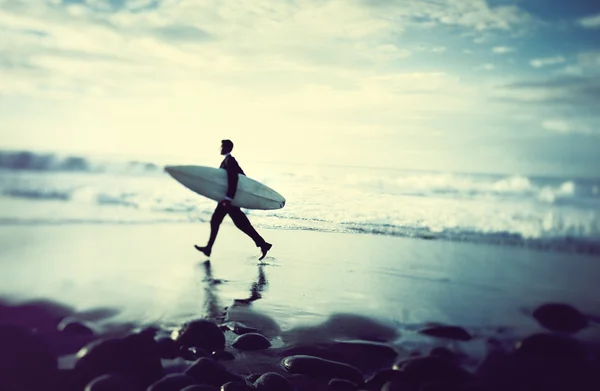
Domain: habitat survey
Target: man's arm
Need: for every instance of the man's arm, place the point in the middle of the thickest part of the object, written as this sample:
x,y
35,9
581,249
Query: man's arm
x,y
232,178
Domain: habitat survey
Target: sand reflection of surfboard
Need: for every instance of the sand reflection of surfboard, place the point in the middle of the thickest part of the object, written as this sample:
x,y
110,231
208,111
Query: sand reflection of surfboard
x,y
212,183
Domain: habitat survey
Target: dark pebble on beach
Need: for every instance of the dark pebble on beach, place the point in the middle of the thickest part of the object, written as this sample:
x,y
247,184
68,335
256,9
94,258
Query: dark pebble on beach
x,y
550,345
341,385
541,362
272,381
26,362
560,317
192,354
251,341
321,368
201,387
236,386
439,386
240,328
72,326
449,332
222,355
167,348
367,356
253,377
378,380
110,382
444,353
172,382
202,334
207,370
421,370
135,356
396,386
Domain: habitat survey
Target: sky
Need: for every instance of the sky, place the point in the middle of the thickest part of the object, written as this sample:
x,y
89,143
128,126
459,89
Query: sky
x,y
493,86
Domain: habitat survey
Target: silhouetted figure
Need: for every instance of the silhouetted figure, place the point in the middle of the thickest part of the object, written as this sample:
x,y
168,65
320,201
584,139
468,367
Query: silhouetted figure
x,y
224,207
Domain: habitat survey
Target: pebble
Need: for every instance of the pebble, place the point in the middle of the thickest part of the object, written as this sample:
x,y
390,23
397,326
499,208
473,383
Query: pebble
x,y
202,334
560,317
251,341
318,367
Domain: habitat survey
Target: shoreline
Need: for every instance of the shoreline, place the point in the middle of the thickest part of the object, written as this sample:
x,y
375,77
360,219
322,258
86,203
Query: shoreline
x,y
565,245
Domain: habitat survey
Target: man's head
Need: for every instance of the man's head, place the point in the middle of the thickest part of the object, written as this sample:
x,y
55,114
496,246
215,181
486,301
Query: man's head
x,y
226,147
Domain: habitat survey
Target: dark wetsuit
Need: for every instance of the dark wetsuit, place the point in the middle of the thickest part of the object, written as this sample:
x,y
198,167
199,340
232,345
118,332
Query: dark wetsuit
x,y
239,218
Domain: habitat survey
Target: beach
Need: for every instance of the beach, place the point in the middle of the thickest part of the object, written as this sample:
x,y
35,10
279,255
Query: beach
x,y
413,278
149,275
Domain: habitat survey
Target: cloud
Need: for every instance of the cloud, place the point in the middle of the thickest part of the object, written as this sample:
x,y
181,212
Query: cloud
x,y
543,62
590,22
181,33
559,125
486,67
576,96
502,49
431,48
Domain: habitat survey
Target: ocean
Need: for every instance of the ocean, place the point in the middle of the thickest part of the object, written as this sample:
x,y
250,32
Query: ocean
x,y
555,214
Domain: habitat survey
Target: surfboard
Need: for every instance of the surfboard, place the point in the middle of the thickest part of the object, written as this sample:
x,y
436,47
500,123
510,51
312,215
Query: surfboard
x,y
211,182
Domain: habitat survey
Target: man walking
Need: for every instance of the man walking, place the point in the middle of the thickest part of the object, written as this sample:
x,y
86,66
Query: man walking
x,y
225,208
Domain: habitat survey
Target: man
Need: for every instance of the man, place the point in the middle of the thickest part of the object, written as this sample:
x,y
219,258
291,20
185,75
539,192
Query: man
x,y
225,208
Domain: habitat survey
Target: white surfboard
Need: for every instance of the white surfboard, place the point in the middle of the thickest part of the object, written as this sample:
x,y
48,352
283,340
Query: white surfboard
x,y
212,183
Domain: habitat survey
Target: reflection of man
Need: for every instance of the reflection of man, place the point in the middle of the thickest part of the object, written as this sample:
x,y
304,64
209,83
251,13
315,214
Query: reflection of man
x,y
224,207
257,287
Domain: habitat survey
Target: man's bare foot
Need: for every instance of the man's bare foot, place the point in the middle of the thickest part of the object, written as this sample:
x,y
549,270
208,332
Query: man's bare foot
x,y
265,248
204,250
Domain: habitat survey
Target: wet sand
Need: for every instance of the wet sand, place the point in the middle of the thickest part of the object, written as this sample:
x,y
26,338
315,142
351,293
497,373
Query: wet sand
x,y
313,290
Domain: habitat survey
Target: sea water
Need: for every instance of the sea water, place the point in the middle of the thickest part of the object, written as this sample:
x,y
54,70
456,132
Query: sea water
x,y
553,213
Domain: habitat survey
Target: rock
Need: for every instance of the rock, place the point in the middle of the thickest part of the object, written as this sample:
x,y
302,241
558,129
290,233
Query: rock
x,y
167,348
172,382
550,345
444,353
192,354
110,382
341,385
26,362
449,332
135,356
240,328
253,319
367,356
236,386
318,367
560,317
202,387
207,370
272,381
202,334
473,387
251,341
432,369
377,381
253,377
41,315
222,355
397,386
542,362
74,327
439,386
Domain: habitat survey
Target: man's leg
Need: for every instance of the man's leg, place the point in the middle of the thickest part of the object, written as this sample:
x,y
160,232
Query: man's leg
x,y
215,222
241,221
